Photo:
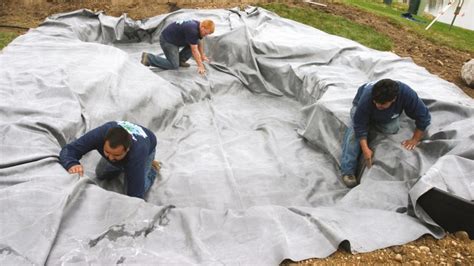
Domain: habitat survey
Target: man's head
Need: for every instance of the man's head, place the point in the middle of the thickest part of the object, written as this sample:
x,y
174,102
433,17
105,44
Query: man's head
x,y
384,93
117,144
206,27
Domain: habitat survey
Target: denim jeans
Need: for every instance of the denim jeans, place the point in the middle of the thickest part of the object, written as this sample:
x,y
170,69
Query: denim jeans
x,y
351,148
172,54
106,170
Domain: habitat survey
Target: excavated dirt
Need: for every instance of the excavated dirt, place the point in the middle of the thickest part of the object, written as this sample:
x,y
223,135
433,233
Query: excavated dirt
x,y
437,59
454,249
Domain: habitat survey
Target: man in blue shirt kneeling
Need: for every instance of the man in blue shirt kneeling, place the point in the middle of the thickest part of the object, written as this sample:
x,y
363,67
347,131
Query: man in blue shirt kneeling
x,y
125,147
185,34
378,106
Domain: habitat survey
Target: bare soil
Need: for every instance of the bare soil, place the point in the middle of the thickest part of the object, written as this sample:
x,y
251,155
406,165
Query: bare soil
x,y
454,249
440,60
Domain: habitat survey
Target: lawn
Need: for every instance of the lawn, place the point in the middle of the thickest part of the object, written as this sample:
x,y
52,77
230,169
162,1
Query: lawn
x,y
439,33
333,24
456,37
6,38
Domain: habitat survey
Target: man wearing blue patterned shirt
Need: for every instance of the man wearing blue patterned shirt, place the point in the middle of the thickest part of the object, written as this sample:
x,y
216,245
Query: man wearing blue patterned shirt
x,y
125,147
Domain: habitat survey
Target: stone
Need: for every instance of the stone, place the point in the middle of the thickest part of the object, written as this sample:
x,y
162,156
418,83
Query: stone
x,y
397,249
462,235
424,249
467,73
398,258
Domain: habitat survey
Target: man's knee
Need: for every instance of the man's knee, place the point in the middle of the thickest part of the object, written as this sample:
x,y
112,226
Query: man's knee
x,y
174,65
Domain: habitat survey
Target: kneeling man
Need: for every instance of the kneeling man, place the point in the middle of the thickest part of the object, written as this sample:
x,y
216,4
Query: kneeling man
x,y
125,147
378,106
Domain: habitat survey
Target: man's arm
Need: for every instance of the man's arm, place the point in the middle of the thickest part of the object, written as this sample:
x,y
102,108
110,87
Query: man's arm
x,y
201,50
71,153
361,125
417,110
410,144
135,177
197,56
366,151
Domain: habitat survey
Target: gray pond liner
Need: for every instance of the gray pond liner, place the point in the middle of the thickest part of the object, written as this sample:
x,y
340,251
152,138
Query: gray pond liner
x,y
250,151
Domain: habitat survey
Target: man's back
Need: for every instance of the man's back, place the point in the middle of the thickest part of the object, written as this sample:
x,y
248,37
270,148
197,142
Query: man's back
x,y
182,32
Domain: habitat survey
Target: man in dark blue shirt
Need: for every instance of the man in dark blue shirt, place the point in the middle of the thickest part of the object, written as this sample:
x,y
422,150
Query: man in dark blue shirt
x,y
125,147
378,106
186,34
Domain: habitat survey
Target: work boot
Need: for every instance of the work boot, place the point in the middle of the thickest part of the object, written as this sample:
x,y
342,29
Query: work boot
x,y
145,59
183,64
156,165
349,180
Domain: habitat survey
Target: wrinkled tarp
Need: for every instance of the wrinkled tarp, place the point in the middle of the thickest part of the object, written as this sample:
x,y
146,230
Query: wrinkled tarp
x,y
250,151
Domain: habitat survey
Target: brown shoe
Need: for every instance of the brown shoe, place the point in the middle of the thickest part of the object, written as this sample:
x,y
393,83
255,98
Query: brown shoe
x,y
145,59
184,64
156,165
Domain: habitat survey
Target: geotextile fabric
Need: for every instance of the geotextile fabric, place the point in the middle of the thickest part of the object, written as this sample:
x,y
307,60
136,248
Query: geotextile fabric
x,y
250,152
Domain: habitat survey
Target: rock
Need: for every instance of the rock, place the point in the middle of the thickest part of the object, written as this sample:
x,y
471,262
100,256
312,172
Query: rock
x,y
462,235
440,62
458,262
467,73
454,243
456,255
397,249
424,249
398,258
415,262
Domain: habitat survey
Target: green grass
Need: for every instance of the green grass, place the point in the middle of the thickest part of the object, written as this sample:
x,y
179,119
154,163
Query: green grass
x,y
332,24
6,38
457,38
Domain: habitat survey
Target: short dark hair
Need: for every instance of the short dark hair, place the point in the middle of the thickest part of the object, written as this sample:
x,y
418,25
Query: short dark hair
x,y
385,90
118,136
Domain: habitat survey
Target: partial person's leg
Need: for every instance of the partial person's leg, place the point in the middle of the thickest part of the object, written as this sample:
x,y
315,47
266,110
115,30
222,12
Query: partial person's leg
x,y
105,170
171,52
150,172
350,154
185,54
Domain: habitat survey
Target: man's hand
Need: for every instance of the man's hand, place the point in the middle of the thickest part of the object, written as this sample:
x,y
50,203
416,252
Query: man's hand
x,y
201,70
76,169
204,58
368,153
410,144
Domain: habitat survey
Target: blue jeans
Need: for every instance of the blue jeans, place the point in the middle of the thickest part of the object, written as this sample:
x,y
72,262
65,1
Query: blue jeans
x,y
106,170
173,56
351,148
